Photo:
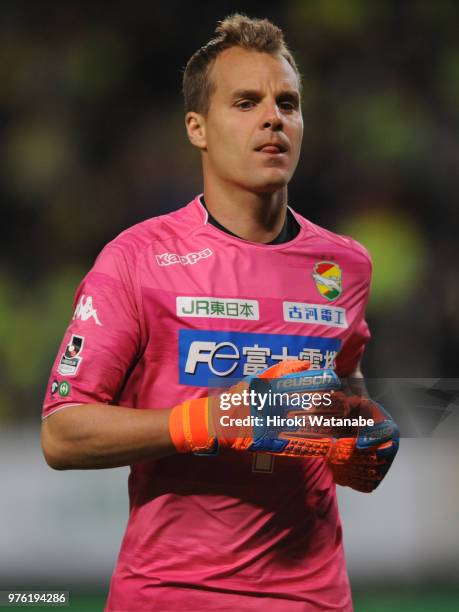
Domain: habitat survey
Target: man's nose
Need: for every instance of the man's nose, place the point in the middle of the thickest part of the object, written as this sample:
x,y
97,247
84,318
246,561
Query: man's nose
x,y
272,118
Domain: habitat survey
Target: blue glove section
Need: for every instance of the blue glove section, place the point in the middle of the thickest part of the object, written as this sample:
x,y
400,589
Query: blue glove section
x,y
267,444
265,434
379,432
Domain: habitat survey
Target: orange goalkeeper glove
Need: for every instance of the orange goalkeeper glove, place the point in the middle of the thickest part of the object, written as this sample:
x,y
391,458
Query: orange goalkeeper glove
x,y
233,421
358,455
362,461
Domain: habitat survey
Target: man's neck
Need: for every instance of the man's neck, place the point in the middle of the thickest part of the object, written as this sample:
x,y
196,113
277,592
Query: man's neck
x,y
251,216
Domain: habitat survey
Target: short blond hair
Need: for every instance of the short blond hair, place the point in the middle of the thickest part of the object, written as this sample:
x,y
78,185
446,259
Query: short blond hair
x,y
236,30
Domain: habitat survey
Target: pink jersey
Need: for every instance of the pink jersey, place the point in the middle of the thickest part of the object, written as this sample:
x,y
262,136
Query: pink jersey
x,y
171,305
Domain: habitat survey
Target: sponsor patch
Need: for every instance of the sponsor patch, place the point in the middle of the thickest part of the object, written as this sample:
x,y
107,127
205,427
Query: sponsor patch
x,y
328,279
315,314
168,259
54,386
218,308
64,388
71,358
85,310
206,355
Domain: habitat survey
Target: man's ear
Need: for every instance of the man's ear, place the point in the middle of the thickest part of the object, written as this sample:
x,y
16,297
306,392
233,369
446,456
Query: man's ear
x,y
196,129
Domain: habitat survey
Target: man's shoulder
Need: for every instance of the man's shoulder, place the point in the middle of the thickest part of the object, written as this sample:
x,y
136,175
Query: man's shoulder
x,y
174,225
354,248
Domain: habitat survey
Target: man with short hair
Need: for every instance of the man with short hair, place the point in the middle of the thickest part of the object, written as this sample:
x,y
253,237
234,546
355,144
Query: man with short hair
x,y
227,286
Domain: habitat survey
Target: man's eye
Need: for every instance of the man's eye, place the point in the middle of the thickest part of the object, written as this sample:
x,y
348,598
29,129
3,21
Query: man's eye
x,y
287,106
245,104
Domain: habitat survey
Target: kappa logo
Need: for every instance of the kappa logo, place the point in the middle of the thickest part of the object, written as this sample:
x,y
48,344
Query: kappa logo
x,y
328,279
168,259
85,310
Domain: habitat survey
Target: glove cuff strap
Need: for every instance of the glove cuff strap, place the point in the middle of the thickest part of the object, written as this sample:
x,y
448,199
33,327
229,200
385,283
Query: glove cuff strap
x,y
189,427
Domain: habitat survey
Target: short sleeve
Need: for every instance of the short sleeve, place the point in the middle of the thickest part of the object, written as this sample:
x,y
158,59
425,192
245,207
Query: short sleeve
x,y
354,345
103,339
351,353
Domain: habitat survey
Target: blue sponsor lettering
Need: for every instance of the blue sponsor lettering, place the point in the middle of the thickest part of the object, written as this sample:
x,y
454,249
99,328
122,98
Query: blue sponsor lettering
x,y
209,355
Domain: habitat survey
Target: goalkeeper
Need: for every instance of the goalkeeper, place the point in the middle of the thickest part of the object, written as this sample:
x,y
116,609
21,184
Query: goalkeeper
x,y
231,284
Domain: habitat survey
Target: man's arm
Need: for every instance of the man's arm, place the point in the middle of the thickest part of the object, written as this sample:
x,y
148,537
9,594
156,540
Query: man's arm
x,y
93,436
90,436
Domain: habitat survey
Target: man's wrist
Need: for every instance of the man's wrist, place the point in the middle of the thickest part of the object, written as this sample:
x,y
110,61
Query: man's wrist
x,y
189,427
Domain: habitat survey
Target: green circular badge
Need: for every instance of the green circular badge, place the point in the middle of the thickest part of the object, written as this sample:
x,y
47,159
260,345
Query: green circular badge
x,y
64,388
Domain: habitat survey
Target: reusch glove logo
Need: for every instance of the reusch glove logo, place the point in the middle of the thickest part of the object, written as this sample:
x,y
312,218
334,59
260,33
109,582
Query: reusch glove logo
x,y
326,379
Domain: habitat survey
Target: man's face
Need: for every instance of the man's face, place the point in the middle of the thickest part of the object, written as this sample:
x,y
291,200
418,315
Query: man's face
x,y
253,130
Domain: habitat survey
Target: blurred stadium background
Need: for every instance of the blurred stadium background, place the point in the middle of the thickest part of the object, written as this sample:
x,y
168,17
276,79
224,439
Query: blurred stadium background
x,y
92,141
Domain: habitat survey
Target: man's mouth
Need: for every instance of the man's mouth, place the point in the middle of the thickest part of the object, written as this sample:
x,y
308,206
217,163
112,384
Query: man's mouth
x,y
272,148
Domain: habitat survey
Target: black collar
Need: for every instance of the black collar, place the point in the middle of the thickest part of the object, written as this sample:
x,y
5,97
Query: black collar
x,y
290,230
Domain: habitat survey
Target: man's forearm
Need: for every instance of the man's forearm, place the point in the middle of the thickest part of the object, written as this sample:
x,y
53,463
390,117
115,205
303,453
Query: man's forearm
x,y
93,436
